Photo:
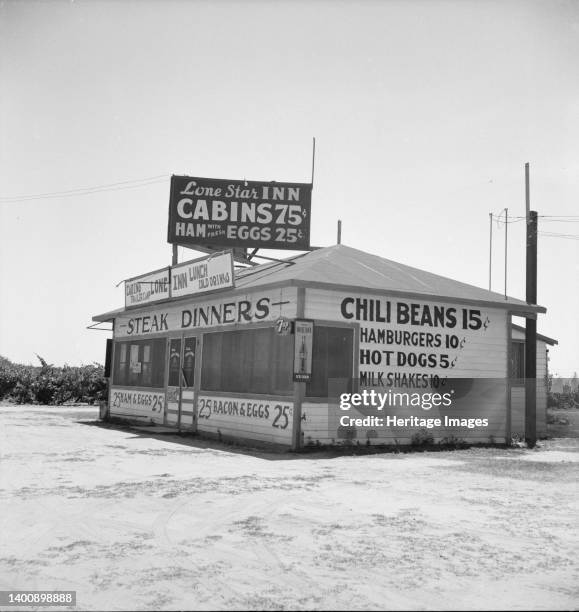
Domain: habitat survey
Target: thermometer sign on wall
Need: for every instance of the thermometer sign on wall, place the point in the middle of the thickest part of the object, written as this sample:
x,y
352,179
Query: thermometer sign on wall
x,y
303,348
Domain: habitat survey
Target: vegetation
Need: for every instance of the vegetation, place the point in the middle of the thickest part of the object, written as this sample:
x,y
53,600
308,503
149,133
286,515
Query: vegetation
x,y
48,384
564,395
422,437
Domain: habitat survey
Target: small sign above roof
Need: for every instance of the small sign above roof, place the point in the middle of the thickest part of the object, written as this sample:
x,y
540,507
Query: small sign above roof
x,y
203,275
147,288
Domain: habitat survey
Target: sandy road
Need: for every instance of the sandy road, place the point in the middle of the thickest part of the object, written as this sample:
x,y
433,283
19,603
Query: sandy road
x,y
137,522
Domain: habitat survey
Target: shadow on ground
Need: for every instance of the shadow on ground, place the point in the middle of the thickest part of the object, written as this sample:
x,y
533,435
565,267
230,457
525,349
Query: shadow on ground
x,y
263,451
270,452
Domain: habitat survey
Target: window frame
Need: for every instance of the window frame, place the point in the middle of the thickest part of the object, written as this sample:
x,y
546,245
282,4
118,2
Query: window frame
x,y
516,346
273,389
154,369
355,328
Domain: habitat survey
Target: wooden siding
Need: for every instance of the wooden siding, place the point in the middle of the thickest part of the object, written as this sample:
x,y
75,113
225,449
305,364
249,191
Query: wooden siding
x,y
482,357
224,310
518,393
249,418
167,320
315,423
144,405
187,408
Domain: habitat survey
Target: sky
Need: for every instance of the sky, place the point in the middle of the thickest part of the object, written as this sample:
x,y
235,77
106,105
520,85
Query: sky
x,y
424,114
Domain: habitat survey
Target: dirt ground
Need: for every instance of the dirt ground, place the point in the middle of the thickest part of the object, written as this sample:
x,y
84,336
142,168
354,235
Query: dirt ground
x,y
563,423
134,521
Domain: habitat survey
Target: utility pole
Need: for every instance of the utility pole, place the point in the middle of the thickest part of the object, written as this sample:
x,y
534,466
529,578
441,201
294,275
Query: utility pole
x,y
313,159
339,231
506,228
490,249
531,323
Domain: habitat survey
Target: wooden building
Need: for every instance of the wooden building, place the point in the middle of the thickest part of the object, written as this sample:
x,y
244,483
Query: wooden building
x,y
226,363
517,381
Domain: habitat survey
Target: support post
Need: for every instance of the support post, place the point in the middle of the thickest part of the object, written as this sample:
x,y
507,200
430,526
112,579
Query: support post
x,y
527,192
299,387
506,243
175,259
313,158
531,335
490,249
339,231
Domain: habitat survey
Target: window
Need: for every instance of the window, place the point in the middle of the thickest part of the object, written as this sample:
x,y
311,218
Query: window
x,y
182,366
174,362
332,361
260,361
189,362
147,367
120,370
248,361
140,363
517,362
135,365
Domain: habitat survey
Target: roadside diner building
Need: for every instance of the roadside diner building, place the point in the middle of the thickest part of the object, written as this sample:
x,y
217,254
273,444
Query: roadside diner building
x,y
332,346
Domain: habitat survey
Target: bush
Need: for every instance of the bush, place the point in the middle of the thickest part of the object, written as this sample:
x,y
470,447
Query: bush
x,y
453,443
51,385
422,438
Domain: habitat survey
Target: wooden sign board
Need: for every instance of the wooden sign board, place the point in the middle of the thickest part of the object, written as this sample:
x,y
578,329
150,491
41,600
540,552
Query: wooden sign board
x,y
239,213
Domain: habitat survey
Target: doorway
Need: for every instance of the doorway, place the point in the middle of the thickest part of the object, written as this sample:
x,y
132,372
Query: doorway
x,y
180,382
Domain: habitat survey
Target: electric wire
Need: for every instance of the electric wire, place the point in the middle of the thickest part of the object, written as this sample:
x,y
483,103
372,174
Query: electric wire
x,y
117,186
82,193
546,218
558,235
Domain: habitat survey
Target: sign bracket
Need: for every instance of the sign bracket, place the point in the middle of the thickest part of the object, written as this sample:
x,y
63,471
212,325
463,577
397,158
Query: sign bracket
x,y
95,328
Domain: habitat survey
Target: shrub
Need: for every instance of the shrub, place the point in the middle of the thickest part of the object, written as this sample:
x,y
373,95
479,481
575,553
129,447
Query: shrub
x,y
452,443
422,438
51,385
9,377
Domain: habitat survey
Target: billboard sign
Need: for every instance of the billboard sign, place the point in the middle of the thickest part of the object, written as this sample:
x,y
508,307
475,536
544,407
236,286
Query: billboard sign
x,y
203,275
147,288
238,213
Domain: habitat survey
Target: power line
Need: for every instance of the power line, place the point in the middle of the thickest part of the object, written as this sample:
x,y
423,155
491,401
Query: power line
x,y
83,193
557,235
546,219
118,186
551,217
104,186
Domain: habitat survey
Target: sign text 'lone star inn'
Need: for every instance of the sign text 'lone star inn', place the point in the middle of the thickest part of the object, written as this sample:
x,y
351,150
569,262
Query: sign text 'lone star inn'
x,y
233,213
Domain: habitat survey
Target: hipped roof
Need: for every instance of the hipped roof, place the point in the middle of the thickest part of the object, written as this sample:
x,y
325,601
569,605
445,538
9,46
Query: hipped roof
x,y
545,339
344,268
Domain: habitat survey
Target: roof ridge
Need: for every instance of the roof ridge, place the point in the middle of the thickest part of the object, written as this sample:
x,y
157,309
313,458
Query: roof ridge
x,y
407,267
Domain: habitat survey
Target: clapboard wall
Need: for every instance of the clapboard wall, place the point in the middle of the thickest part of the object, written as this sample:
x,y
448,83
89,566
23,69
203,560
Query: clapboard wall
x,y
477,367
227,415
518,392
